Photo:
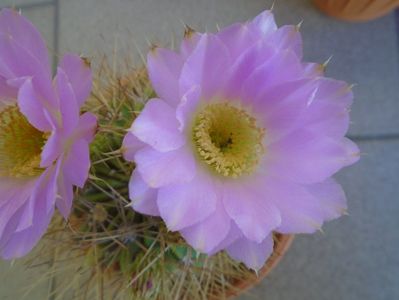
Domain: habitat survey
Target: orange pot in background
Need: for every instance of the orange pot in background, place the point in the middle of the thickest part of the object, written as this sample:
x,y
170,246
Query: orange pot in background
x,y
356,10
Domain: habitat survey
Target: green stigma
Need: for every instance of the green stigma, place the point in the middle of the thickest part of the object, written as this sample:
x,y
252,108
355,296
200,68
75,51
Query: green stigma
x,y
20,145
227,139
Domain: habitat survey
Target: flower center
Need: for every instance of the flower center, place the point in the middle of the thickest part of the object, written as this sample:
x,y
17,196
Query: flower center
x,y
20,145
227,139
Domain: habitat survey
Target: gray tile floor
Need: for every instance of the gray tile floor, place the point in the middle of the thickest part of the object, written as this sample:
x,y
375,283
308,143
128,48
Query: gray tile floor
x,y
358,256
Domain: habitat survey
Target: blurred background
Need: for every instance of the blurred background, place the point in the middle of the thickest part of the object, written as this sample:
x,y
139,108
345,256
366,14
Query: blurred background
x,y
357,256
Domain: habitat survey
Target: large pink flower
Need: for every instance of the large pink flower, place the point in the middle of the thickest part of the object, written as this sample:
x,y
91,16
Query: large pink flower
x,y
242,141
43,139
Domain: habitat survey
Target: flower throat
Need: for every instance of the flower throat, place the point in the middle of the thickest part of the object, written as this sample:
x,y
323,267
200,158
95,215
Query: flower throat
x,y
20,144
227,139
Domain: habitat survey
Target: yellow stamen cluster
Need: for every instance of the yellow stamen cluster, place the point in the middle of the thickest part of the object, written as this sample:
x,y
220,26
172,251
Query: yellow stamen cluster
x,y
228,139
20,144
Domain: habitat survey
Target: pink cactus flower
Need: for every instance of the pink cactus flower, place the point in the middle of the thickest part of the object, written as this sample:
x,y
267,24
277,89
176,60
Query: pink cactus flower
x,y
242,141
43,139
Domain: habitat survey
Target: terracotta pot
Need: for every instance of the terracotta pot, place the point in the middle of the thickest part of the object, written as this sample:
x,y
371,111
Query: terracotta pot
x,y
281,246
356,10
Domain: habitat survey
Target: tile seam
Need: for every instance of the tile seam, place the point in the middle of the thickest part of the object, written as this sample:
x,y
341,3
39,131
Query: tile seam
x,y
29,6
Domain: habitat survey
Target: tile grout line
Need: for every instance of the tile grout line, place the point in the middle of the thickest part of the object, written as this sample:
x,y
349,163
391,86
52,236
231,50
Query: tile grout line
x,y
52,284
56,31
376,137
396,15
29,5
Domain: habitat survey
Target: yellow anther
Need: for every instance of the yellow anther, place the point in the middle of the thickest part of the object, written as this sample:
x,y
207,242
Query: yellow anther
x,y
20,144
228,139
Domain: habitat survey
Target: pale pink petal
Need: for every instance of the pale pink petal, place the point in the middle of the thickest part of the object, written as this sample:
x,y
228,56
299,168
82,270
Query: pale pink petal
x,y
43,197
189,43
327,117
9,229
303,209
64,195
206,235
14,196
131,144
312,69
77,163
68,105
16,83
157,126
331,197
183,205
31,107
253,255
263,24
329,110
21,243
144,198
46,188
244,66
332,90
295,156
52,149
164,68
204,66
87,127
237,38
287,37
163,168
79,76
254,214
9,186
17,62
25,34
240,37
7,93
27,215
280,108
233,235
284,66
185,111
